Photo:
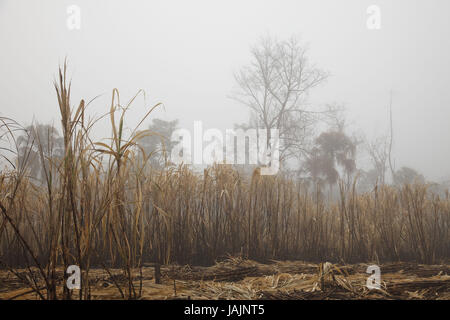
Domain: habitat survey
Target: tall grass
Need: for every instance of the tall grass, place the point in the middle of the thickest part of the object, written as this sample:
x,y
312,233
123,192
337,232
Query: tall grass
x,y
103,206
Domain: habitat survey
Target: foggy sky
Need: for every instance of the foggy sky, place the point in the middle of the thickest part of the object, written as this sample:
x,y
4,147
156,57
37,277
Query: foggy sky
x,y
184,53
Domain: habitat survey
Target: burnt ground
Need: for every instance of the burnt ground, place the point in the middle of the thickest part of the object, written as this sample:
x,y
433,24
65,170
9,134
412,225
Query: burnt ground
x,y
235,278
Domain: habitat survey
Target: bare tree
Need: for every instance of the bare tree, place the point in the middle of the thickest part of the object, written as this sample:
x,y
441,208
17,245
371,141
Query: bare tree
x,y
391,138
275,86
378,151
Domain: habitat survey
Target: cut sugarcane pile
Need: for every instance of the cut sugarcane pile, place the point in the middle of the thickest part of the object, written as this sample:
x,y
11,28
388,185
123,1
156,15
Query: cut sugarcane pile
x,y
236,278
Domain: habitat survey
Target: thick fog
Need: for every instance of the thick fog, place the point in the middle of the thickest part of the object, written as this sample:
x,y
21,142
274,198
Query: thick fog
x,y
184,54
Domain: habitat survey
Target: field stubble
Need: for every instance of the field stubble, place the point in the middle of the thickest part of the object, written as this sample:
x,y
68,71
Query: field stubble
x,y
237,279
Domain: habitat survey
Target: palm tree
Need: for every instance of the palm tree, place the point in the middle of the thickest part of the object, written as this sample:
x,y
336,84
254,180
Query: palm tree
x,y
332,148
